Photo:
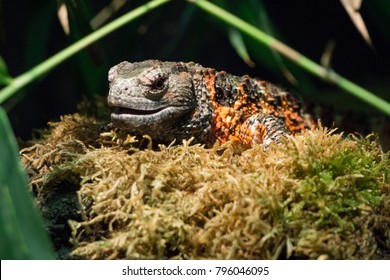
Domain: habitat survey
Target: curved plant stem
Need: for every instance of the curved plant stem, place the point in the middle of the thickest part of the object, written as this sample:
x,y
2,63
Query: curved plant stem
x,y
295,56
36,72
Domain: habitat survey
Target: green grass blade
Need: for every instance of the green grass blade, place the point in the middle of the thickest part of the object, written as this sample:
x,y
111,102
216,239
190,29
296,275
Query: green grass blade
x,y
5,78
39,70
238,44
294,56
22,235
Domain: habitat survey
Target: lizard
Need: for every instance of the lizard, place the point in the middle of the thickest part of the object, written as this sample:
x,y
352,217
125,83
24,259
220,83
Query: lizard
x,y
178,100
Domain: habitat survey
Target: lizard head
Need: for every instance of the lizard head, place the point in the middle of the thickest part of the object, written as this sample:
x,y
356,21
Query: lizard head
x,y
150,97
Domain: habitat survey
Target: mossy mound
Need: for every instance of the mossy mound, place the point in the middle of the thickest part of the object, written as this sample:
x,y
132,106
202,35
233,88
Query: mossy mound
x,y
316,196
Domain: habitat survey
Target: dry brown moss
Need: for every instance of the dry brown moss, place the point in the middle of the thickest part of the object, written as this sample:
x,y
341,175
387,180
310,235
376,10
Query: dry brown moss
x,y
316,196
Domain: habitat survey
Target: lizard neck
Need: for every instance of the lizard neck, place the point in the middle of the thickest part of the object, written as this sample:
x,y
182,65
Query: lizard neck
x,y
200,123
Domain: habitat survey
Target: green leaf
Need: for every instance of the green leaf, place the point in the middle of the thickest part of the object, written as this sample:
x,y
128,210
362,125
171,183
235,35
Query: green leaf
x,y
5,78
90,59
238,44
22,235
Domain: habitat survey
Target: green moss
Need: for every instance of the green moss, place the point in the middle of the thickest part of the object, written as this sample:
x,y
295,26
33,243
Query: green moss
x,y
317,195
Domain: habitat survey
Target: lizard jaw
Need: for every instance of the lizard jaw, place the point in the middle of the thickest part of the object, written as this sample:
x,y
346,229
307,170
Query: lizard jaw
x,y
128,119
129,111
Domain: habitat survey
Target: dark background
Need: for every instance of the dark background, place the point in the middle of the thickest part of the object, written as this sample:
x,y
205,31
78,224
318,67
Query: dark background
x,y
30,33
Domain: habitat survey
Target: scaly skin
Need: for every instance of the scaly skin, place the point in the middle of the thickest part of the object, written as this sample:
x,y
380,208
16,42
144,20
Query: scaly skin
x,y
177,100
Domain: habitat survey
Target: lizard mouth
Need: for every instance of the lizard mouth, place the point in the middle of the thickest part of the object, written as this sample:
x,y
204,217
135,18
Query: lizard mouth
x,y
129,118
137,112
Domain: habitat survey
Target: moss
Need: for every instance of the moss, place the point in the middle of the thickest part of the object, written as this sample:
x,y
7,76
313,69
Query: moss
x,y
317,196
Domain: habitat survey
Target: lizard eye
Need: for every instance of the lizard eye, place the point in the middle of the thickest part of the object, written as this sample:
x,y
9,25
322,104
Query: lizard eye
x,y
158,84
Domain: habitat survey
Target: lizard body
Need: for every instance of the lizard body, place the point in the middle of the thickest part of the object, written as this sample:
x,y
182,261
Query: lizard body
x,y
177,100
